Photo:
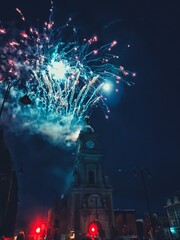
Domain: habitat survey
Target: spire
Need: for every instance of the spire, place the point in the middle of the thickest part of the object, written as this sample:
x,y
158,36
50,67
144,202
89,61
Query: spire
x,y
87,119
87,127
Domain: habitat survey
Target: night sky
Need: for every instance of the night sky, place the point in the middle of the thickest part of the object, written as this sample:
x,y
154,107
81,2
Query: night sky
x,y
143,128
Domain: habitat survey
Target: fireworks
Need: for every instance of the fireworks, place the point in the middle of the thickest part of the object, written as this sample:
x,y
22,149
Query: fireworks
x,y
64,80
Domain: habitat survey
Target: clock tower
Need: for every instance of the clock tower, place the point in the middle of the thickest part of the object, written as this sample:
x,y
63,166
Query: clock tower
x,y
91,193
87,209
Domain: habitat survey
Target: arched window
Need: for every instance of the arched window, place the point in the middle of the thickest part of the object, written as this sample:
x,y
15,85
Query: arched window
x,y
91,177
76,178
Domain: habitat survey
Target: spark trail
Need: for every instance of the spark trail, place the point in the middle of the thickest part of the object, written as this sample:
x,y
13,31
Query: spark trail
x,y
64,80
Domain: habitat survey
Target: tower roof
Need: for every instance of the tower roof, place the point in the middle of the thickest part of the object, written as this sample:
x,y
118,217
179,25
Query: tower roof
x,y
87,127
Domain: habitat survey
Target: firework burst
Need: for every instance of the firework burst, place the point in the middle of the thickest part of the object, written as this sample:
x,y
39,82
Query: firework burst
x,y
64,80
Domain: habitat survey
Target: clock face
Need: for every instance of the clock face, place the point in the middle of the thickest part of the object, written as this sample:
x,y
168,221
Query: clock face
x,y
90,144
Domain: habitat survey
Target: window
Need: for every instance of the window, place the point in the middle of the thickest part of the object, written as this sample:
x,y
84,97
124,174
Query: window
x,y
91,177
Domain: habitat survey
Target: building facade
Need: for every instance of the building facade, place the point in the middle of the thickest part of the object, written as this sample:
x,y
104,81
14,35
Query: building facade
x,y
173,213
87,208
125,224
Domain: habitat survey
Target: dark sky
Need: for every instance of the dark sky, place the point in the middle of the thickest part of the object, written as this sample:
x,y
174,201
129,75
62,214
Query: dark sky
x,y
143,128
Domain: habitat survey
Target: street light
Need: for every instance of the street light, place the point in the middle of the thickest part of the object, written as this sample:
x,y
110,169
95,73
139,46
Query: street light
x,y
24,100
11,196
141,172
5,98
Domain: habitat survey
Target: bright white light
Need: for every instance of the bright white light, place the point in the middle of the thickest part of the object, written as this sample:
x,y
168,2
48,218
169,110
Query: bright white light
x,y
107,87
58,69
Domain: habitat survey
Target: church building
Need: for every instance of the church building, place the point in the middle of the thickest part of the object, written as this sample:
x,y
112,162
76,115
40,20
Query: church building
x,y
87,208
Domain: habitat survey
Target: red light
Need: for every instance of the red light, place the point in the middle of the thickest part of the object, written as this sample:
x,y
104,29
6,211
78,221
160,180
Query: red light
x,y
93,229
38,230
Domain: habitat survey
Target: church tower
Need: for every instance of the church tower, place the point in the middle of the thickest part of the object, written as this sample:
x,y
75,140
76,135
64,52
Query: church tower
x,y
87,209
91,208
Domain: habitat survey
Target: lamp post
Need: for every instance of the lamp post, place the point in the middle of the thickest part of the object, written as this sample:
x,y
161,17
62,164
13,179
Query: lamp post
x,y
5,98
141,172
24,100
8,179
